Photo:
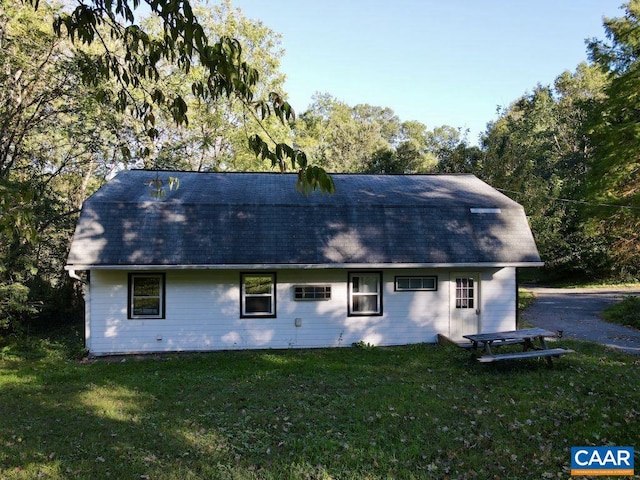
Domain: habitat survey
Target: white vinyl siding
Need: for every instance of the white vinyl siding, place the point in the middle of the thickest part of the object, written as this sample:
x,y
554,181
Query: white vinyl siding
x,y
498,300
202,312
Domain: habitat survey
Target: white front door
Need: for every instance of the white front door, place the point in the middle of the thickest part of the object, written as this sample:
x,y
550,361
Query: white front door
x,y
465,305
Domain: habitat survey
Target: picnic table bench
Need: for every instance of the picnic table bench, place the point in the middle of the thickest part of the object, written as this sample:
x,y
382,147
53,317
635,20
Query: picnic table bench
x,y
527,337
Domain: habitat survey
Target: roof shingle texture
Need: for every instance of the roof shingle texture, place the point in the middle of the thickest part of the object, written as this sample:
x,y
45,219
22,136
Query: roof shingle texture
x,y
225,219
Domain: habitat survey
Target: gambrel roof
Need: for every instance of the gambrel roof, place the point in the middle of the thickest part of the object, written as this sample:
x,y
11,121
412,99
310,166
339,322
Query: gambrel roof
x,y
253,220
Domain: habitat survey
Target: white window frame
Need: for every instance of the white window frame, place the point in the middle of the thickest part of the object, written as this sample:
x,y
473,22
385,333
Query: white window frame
x,y
310,293
353,295
430,278
271,296
133,297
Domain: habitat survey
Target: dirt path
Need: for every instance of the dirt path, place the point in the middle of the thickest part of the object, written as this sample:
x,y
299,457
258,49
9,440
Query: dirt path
x,y
576,312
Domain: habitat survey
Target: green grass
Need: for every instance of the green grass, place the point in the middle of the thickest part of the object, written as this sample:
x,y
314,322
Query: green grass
x,y
627,312
525,298
592,284
423,411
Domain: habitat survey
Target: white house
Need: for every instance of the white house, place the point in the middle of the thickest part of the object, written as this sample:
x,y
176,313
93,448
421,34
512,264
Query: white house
x,y
243,260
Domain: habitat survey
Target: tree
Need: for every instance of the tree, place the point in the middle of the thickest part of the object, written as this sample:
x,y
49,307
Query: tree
x,y
614,171
216,136
363,138
538,152
452,151
411,150
42,138
65,126
341,138
183,42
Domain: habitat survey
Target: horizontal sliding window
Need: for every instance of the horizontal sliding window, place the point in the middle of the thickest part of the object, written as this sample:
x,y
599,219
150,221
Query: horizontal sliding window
x,y
311,292
409,284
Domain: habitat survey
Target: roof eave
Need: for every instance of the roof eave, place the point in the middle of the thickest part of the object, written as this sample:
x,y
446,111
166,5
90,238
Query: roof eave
x,y
299,266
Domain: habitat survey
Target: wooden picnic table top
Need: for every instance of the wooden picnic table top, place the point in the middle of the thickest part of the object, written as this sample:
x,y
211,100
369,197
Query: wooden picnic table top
x,y
525,336
510,335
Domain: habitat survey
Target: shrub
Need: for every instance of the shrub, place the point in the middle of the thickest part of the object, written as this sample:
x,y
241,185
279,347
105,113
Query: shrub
x,y
14,306
627,312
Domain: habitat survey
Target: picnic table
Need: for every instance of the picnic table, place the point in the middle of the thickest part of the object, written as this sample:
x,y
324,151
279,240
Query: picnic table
x,y
527,337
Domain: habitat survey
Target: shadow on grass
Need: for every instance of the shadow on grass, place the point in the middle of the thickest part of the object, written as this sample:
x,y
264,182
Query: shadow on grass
x,y
220,415
421,411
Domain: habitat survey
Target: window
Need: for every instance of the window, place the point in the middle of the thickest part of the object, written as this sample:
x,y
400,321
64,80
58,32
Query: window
x,y
365,293
416,283
258,298
311,292
484,210
465,293
146,295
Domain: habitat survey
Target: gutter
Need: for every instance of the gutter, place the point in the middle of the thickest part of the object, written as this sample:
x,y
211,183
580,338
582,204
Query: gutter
x,y
296,266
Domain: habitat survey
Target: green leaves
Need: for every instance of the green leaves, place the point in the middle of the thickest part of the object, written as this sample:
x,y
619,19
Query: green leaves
x,y
622,49
363,139
158,186
81,24
310,178
615,132
314,178
178,109
17,222
14,306
135,59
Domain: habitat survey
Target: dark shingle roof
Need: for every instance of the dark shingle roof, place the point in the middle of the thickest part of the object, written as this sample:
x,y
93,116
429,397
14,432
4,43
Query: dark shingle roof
x,y
226,219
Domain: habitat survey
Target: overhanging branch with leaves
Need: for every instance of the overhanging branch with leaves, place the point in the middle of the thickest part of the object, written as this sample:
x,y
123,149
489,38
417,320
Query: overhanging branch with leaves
x,y
183,43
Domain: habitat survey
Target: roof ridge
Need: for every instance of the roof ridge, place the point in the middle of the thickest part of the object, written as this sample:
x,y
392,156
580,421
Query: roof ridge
x,y
351,174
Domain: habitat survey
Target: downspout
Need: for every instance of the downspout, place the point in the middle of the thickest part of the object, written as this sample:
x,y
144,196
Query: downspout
x,y
86,286
517,322
75,276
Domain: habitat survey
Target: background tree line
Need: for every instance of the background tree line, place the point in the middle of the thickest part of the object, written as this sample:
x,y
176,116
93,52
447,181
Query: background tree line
x,y
71,115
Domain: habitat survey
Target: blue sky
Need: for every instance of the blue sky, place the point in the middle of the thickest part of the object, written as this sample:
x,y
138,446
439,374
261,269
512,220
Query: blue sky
x,y
436,61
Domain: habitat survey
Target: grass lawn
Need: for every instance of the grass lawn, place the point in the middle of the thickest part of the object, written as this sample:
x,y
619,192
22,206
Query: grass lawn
x,y
423,411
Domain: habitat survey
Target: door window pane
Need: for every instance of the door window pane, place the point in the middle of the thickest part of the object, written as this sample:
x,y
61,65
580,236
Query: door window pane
x,y
465,293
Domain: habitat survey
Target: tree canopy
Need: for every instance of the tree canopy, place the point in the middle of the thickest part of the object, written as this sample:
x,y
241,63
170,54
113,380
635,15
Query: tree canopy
x,y
538,152
97,86
614,176
135,58
72,112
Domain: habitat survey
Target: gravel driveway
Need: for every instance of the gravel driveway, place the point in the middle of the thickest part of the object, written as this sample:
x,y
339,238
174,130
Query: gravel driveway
x,y
576,311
